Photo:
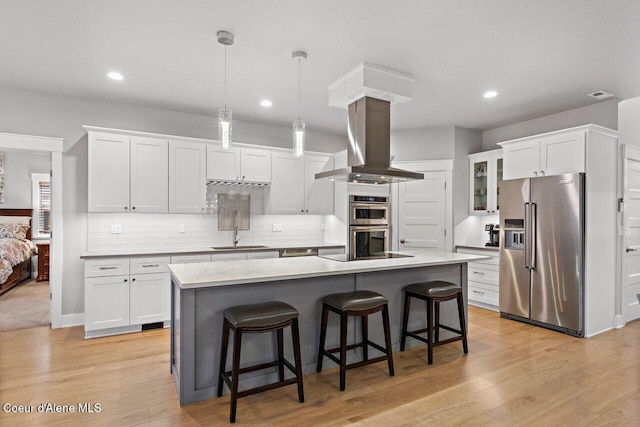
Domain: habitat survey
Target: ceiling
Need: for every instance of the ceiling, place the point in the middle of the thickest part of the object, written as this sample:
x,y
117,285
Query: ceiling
x,y
542,56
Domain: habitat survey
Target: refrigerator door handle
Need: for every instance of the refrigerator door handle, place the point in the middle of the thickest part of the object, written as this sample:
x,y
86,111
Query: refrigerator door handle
x,y
526,236
533,232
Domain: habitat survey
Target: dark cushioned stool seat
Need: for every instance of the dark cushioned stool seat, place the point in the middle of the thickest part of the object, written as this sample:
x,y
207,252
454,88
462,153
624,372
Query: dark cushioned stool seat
x,y
433,289
260,315
354,301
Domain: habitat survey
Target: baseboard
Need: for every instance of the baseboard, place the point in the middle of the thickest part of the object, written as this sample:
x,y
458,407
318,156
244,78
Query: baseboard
x,y
68,320
619,321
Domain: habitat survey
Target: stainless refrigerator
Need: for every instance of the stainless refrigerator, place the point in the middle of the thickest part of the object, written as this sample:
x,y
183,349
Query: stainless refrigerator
x,y
542,251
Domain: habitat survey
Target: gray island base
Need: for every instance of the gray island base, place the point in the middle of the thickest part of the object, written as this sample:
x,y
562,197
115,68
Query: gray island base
x,y
201,292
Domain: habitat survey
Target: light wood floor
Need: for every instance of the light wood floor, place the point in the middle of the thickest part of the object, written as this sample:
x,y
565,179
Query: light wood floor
x,y
515,374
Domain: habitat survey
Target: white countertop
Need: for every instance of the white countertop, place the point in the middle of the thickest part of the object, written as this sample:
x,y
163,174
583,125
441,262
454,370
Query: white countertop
x,y
481,247
224,273
201,250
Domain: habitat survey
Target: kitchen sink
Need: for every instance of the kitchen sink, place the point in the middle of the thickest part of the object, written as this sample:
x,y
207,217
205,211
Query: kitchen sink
x,y
238,247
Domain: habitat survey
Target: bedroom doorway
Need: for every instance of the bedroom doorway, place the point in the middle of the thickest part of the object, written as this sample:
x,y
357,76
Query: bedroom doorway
x,y
32,185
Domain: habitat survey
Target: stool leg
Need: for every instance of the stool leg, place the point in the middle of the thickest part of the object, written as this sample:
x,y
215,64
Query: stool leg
x,y
295,338
405,320
280,354
387,338
365,337
343,351
430,331
437,322
463,325
323,335
223,355
237,342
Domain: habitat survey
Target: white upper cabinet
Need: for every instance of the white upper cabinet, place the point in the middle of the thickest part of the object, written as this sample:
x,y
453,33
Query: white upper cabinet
x,y
564,153
484,186
223,165
149,175
544,155
318,194
238,164
286,193
255,165
294,189
108,172
187,177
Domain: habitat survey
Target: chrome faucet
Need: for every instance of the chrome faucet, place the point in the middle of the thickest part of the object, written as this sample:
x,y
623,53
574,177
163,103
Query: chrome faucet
x,y
236,239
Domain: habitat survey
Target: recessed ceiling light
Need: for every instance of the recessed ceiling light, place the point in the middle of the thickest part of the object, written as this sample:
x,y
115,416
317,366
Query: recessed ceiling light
x,y
490,94
266,103
114,75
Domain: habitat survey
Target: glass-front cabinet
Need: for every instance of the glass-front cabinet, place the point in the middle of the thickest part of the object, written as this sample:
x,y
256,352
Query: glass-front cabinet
x,y
485,178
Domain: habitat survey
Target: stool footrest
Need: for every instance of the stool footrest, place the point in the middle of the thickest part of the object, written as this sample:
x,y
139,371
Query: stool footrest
x,y
266,387
448,328
366,362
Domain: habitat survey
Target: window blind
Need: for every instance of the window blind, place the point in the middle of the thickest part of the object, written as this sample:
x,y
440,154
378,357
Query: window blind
x,y
44,207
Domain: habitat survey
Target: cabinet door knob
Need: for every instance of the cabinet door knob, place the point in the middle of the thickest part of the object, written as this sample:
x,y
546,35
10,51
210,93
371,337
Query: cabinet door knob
x,y
126,207
307,210
302,210
133,280
535,173
133,207
542,173
403,241
125,280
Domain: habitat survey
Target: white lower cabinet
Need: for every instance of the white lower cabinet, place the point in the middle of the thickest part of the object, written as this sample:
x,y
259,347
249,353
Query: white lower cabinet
x,y
482,279
149,298
190,259
106,302
119,303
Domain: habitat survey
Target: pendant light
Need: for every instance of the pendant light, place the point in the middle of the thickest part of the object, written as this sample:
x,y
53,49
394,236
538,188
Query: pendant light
x,y
298,125
225,38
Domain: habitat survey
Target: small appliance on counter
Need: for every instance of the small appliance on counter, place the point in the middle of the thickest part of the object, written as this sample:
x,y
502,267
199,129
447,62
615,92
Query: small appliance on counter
x,y
494,235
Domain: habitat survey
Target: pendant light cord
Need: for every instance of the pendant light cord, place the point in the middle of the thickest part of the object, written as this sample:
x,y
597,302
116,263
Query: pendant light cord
x,y
298,88
225,77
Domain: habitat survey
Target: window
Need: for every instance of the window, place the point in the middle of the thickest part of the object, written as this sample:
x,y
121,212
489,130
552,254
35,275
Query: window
x,y
41,226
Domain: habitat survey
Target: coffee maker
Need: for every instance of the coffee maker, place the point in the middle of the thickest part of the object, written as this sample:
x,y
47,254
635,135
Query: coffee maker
x,y
494,233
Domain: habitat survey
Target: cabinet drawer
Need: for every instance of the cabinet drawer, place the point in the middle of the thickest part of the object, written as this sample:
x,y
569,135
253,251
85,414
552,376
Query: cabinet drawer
x,y
229,257
149,265
494,260
484,265
106,267
188,259
263,255
483,295
484,275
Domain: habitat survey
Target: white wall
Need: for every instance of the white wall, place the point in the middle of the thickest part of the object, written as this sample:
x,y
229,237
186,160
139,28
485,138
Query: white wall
x,y
603,113
26,112
17,177
628,123
423,144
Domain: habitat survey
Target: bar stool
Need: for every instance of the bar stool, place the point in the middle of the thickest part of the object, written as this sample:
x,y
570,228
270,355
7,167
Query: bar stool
x,y
433,293
358,303
256,318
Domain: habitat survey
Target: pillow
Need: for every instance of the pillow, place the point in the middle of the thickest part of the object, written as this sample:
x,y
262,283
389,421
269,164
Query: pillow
x,y
16,231
24,220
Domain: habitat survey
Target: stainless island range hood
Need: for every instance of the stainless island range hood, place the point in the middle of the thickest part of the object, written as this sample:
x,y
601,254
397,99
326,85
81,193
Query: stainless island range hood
x,y
369,139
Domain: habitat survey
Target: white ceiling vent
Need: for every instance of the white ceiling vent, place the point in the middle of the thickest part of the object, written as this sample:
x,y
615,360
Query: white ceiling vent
x,y
600,94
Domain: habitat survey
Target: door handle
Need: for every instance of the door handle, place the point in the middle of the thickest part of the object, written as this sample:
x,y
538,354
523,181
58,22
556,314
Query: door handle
x,y
526,235
533,232
632,250
403,241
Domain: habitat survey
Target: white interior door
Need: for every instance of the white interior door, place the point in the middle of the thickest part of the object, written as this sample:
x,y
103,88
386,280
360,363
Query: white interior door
x,y
422,212
631,237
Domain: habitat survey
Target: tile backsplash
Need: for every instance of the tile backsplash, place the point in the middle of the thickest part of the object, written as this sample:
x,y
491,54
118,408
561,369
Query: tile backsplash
x,y
149,231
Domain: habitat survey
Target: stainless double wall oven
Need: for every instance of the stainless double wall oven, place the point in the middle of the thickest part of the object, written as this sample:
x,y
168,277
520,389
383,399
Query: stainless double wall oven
x,y
368,226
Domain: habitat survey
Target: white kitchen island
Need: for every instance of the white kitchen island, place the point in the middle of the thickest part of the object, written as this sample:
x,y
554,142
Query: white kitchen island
x,y
200,293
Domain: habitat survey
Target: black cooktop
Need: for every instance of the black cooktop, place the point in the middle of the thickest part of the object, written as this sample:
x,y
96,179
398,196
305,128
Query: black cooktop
x,y
347,257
